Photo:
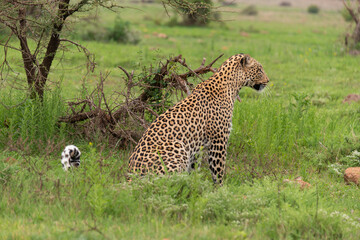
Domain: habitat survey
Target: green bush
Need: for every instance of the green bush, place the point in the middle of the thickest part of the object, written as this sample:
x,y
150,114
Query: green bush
x,y
285,4
250,10
94,32
227,2
313,9
122,32
173,21
196,12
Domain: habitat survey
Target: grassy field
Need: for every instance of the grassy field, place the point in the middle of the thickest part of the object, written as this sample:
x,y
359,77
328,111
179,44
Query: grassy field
x,y
297,127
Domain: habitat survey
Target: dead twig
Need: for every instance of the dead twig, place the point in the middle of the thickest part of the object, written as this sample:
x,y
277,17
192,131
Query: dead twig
x,y
121,115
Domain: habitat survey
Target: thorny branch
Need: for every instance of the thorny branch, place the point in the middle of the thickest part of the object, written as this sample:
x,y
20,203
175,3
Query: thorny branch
x,y
90,57
121,115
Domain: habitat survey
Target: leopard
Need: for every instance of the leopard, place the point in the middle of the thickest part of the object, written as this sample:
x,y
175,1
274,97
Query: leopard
x,y
202,120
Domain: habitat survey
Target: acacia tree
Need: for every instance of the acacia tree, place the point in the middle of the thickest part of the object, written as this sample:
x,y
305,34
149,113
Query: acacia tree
x,y
353,40
194,12
37,26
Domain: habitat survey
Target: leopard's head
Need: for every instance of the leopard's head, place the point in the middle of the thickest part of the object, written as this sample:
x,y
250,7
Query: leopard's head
x,y
253,74
246,71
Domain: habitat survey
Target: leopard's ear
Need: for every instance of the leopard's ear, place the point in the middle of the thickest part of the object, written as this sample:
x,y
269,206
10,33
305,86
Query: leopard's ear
x,y
245,60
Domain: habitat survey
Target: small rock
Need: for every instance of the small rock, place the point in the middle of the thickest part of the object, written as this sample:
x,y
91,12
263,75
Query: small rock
x,y
302,184
352,175
351,98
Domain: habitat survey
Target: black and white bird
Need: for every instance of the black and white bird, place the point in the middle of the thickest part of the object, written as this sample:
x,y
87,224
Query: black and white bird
x,y
70,157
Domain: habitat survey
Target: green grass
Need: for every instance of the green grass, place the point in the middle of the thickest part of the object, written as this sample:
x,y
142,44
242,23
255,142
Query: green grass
x,y
95,202
298,126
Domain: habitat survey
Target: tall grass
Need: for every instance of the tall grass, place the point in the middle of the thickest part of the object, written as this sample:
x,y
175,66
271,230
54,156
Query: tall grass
x,y
30,120
94,202
269,132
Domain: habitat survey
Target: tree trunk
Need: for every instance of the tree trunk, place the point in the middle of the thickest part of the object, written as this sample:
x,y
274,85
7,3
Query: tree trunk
x,y
15,16
354,12
26,53
356,34
37,75
51,49
44,67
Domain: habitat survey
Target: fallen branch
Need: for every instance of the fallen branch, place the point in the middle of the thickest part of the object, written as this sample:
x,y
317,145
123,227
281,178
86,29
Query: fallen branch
x,y
122,115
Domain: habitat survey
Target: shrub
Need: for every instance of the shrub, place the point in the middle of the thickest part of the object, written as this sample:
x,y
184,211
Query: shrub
x,y
285,4
173,21
313,9
250,10
227,2
122,32
90,31
216,16
196,12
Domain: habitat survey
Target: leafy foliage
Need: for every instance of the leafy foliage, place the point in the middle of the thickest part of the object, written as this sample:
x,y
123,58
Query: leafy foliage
x,y
121,32
194,12
313,9
250,10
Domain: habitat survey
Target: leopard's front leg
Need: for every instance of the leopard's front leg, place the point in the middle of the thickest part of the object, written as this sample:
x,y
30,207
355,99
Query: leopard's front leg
x,y
216,158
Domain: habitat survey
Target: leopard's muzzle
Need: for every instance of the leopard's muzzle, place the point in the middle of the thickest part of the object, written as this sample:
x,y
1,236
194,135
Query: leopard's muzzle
x,y
259,87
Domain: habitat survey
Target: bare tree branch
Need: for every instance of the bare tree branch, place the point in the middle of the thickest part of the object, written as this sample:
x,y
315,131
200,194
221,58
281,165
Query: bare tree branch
x,y
76,8
352,13
122,121
90,57
42,22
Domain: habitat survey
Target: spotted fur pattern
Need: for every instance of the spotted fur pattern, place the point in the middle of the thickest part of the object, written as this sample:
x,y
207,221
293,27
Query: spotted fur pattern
x,y
203,119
